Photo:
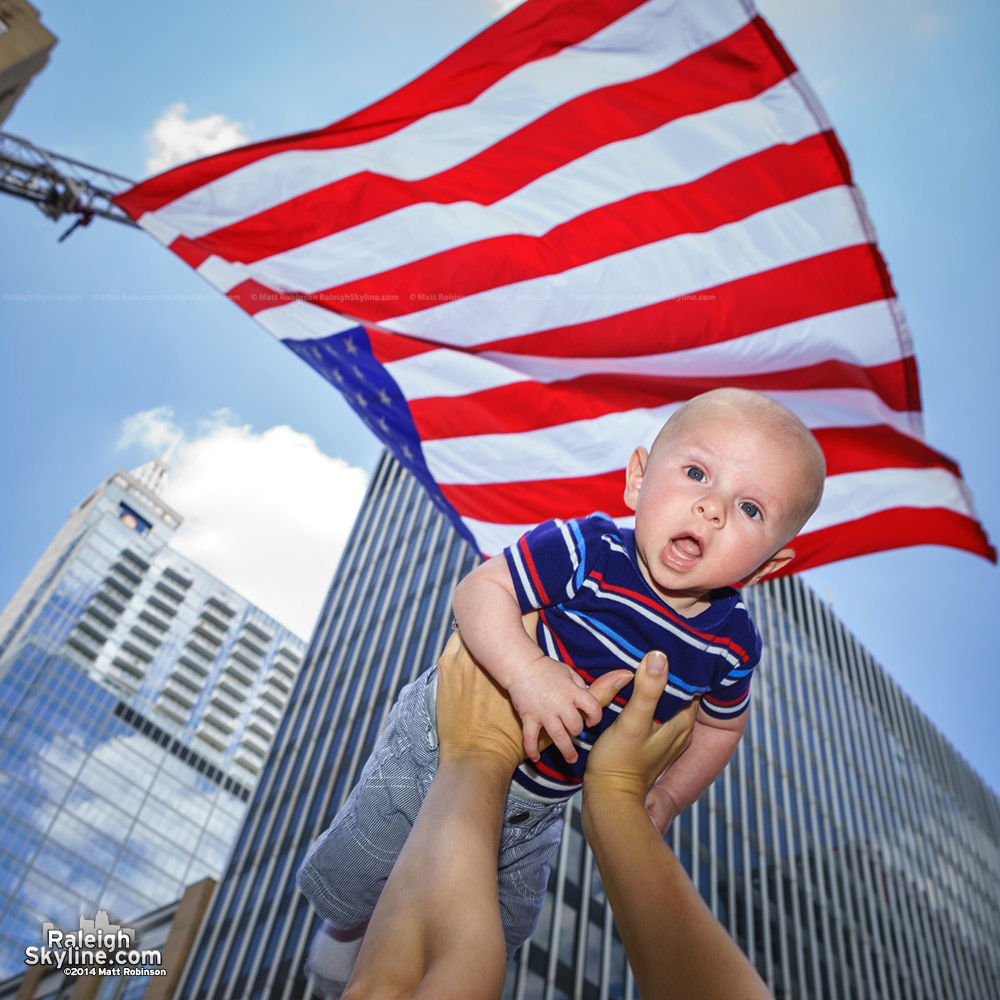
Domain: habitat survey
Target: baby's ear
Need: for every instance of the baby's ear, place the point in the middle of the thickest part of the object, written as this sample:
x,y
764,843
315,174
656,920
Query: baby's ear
x,y
634,472
779,559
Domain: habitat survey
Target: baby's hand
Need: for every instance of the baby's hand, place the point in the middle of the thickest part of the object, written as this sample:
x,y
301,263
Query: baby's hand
x,y
661,808
549,695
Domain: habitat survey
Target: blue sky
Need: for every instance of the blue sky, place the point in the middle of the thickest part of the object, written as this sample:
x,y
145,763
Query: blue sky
x,y
108,326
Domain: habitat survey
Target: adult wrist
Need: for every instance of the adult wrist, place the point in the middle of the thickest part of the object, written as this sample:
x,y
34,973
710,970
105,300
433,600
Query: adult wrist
x,y
606,804
605,794
493,757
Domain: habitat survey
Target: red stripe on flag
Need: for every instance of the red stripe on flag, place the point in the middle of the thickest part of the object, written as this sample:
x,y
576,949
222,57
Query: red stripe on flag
x,y
821,284
727,195
825,283
525,406
253,297
190,252
532,502
613,113
889,529
858,449
528,33
388,346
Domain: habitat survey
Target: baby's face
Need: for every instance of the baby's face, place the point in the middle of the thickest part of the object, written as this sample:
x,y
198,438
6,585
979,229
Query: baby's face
x,y
714,506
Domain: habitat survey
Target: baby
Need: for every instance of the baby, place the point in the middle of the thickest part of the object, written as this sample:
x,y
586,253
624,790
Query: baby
x,y
727,483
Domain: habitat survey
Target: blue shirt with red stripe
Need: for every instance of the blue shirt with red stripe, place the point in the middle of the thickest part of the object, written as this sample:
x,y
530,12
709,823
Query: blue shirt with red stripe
x,y
597,613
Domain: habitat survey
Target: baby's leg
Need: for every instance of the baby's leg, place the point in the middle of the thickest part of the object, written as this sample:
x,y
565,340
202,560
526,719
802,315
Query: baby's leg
x,y
530,837
346,868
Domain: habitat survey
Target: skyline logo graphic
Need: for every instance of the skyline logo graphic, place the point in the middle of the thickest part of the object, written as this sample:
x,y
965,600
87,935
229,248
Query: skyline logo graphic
x,y
97,948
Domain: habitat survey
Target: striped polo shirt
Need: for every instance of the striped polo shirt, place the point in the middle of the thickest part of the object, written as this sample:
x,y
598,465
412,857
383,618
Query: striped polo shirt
x,y
597,613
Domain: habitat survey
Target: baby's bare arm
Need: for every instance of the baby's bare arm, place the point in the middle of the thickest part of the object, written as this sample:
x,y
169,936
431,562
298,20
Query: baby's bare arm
x,y
489,619
713,743
546,693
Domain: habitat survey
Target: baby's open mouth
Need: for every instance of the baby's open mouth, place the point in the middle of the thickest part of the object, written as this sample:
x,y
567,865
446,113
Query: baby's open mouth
x,y
688,546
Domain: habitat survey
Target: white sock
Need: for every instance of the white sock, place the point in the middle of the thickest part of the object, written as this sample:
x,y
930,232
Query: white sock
x,y
331,958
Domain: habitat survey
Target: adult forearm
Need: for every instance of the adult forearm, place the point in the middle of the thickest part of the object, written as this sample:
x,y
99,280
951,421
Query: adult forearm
x,y
470,792
436,931
629,854
676,948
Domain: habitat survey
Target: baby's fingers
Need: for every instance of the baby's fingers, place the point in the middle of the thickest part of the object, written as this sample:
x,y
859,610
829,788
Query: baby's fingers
x,y
531,731
563,741
590,708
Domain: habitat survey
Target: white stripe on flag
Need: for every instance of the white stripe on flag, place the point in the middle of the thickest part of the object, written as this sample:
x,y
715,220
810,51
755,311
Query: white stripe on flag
x,y
861,335
683,265
676,153
853,495
221,273
301,320
565,451
602,444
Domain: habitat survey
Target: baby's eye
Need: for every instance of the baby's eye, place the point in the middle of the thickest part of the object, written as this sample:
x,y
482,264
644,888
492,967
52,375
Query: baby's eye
x,y
696,474
750,509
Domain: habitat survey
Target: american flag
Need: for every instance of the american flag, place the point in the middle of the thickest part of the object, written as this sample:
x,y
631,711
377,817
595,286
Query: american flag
x,y
519,264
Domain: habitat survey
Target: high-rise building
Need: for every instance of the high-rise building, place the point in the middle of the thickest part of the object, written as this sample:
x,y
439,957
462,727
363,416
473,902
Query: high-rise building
x,y
848,848
25,44
138,699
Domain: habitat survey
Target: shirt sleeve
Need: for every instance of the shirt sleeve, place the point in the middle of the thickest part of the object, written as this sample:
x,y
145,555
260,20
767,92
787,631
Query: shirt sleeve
x,y
549,563
730,697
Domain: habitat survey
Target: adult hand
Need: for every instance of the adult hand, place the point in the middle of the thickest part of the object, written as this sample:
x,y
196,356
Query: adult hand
x,y
436,933
674,944
474,715
636,750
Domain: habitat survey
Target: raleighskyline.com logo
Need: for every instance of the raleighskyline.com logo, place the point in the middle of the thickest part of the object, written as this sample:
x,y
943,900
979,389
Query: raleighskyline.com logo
x,y
98,948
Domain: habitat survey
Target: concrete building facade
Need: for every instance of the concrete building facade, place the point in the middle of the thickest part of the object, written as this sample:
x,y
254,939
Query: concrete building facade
x,y
847,848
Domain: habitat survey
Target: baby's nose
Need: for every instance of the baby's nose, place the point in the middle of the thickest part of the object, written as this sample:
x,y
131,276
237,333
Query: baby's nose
x,y
709,508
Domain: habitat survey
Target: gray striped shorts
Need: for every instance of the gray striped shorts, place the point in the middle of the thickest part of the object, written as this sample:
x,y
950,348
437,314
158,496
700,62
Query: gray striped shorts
x,y
345,870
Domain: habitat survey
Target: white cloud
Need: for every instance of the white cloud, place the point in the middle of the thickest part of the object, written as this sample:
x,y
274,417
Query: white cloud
x,y
153,430
503,6
267,513
175,140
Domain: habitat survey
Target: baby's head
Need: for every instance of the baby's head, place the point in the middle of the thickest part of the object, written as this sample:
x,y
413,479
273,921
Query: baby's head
x,y
731,477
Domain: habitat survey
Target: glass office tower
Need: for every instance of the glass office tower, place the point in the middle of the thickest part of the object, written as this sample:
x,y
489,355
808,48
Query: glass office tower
x,y
848,848
138,699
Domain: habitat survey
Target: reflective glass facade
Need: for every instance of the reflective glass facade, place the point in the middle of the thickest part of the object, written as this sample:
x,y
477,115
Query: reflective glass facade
x,y
138,697
848,849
